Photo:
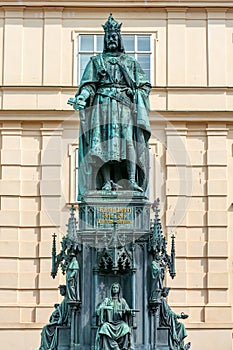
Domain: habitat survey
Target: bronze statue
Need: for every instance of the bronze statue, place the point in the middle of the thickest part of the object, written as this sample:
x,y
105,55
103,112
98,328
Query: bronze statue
x,y
59,317
72,280
114,331
114,126
157,277
168,318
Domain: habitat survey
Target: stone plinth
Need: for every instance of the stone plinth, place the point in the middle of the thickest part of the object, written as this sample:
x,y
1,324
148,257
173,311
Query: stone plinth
x,y
100,210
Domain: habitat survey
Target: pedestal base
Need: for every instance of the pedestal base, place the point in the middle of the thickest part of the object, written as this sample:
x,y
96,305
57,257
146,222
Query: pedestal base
x,y
100,210
63,338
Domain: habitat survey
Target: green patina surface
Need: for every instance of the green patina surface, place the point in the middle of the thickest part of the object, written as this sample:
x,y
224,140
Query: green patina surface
x,y
113,99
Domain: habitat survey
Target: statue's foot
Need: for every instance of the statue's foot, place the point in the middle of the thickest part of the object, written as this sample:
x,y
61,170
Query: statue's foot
x,y
107,186
134,186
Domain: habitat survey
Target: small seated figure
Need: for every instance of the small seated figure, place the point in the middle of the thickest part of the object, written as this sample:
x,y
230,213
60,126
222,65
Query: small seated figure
x,y
59,317
114,331
168,318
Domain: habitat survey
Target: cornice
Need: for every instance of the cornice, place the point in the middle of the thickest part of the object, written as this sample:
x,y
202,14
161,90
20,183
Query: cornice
x,y
94,11
120,3
35,116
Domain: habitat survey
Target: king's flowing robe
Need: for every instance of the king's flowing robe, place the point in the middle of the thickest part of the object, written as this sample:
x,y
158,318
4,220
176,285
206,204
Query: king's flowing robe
x,y
115,120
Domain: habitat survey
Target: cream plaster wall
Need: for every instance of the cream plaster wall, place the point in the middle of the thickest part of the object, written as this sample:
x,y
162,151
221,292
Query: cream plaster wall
x,y
191,156
191,71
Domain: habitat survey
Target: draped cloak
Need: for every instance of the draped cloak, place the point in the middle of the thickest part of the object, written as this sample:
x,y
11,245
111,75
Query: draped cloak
x,y
114,121
114,332
72,280
59,317
177,331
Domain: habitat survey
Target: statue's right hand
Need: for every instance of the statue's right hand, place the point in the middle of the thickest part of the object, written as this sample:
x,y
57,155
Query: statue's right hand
x,y
77,102
80,102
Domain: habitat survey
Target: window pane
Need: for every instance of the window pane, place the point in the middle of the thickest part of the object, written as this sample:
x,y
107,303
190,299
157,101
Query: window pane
x,y
83,60
143,43
86,43
144,61
99,42
147,72
128,41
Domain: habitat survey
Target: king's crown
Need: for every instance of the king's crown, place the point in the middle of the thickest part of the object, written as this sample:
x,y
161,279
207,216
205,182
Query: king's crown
x,y
111,25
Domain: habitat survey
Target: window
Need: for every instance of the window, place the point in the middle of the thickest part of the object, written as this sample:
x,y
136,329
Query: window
x,y
136,45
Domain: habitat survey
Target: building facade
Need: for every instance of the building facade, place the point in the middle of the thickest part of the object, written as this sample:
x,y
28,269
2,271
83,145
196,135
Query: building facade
x,y
189,61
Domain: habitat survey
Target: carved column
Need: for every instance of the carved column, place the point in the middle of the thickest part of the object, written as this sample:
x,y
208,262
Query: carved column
x,y
154,309
74,332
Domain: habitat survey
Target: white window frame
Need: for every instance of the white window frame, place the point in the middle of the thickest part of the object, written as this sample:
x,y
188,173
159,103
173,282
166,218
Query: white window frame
x,y
126,31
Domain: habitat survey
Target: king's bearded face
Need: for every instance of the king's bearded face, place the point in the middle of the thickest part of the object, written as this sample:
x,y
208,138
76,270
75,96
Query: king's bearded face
x,y
112,40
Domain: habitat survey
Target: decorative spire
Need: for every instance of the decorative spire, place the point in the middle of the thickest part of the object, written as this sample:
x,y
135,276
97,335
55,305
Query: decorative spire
x,y
69,246
112,25
172,269
72,226
156,203
158,245
157,234
54,253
